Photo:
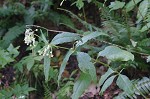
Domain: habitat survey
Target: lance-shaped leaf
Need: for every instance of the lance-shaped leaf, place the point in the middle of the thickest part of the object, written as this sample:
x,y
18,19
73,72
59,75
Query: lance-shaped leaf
x,y
107,83
105,76
80,85
90,36
64,38
43,37
46,67
85,64
115,53
124,83
143,9
131,5
64,63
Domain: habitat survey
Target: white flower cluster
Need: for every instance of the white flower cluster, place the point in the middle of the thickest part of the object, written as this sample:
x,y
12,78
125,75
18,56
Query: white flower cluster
x,y
30,40
46,51
29,37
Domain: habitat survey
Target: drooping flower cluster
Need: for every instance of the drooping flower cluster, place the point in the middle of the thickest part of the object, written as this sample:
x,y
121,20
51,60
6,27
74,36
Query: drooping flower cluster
x,y
30,40
46,51
29,37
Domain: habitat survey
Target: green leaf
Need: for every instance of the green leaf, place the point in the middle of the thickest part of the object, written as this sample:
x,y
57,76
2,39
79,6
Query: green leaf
x,y
43,37
5,57
90,36
13,51
19,66
38,58
148,59
115,53
30,63
5,94
131,5
17,90
21,90
124,83
80,85
145,28
26,89
116,5
107,83
85,64
105,76
64,63
142,10
64,38
46,67
79,4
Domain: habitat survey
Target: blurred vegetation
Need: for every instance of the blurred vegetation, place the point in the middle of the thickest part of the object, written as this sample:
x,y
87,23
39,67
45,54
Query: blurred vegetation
x,y
87,42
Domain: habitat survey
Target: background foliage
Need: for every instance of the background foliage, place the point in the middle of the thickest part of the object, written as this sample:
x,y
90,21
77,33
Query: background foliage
x,y
74,40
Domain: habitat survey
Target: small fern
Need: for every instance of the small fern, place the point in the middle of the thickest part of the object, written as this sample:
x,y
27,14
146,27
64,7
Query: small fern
x,y
12,34
47,94
141,88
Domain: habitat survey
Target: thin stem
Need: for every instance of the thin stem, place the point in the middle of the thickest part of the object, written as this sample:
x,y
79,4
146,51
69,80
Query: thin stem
x,y
83,35
61,47
92,58
106,65
84,14
56,31
39,37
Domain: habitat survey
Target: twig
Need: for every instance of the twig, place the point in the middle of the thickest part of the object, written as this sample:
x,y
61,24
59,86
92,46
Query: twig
x,y
56,31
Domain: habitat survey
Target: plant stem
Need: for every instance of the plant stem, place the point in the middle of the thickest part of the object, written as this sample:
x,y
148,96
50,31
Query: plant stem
x,y
61,47
94,39
106,65
84,14
55,31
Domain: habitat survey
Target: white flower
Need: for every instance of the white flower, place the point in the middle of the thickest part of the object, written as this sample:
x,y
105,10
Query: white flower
x,y
52,55
45,51
29,37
